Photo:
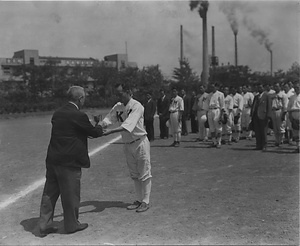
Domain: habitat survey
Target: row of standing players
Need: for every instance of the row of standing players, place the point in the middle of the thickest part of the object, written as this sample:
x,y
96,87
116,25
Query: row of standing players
x,y
226,115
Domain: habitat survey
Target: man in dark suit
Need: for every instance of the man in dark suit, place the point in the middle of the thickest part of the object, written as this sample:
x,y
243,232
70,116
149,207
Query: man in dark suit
x,y
149,112
260,117
163,104
67,154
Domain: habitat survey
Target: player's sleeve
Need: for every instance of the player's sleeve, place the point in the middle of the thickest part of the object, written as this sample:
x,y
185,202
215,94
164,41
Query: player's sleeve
x,y
111,117
284,103
221,101
231,104
130,123
241,104
181,105
290,104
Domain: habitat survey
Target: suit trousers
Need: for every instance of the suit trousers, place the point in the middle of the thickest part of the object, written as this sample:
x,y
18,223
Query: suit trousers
x,y
150,129
63,181
260,129
164,130
184,129
194,123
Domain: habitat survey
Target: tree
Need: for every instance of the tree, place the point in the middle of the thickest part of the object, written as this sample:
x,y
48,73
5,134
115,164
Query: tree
x,y
184,76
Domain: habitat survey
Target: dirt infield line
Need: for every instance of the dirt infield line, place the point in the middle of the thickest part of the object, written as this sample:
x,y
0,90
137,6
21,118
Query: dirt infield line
x,y
15,197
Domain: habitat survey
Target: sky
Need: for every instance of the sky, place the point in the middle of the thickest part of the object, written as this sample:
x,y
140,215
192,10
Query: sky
x,y
151,30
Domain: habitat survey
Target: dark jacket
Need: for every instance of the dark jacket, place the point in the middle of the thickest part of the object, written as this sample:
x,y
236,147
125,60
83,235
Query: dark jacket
x,y
163,108
149,109
68,144
260,106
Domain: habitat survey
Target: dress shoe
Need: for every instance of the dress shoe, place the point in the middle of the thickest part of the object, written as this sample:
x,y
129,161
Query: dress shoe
x,y
81,227
134,205
143,207
48,230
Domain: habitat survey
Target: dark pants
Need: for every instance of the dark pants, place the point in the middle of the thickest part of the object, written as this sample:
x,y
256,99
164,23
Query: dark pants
x,y
164,130
260,129
184,130
194,123
63,181
149,129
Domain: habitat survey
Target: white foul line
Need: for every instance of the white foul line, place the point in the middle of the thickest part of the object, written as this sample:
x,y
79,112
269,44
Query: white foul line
x,y
40,182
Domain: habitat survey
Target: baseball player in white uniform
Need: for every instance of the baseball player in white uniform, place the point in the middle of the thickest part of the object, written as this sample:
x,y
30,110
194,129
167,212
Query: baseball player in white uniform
x,y
128,113
176,110
248,98
227,128
200,106
294,113
278,103
288,127
238,106
215,106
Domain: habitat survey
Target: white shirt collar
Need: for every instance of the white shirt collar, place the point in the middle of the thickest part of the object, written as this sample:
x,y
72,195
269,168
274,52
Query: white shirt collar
x,y
74,104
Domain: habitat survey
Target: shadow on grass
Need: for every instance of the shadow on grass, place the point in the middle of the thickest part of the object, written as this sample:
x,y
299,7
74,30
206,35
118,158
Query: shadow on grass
x,y
31,225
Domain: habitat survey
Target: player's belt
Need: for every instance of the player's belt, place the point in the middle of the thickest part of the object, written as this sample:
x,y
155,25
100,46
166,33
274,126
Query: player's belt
x,y
134,141
173,111
276,109
213,108
235,106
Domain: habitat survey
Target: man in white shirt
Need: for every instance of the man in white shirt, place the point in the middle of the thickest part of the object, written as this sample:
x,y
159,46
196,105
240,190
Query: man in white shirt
x,y
215,105
248,98
288,127
128,113
238,105
176,110
294,113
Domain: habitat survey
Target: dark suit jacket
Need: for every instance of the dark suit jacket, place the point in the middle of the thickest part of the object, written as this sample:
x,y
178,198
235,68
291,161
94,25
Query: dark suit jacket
x,y
163,108
186,102
149,111
68,143
260,106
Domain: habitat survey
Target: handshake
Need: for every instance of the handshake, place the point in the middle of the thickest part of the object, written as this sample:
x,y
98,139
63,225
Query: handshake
x,y
98,122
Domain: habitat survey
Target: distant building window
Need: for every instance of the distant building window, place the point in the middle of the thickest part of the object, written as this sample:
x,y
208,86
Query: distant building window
x,y
122,64
6,70
31,61
8,61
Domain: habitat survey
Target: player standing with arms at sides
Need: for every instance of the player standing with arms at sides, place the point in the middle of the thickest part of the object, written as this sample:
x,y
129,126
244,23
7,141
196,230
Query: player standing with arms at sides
x,y
176,110
279,102
238,105
248,98
129,113
294,114
216,106
227,127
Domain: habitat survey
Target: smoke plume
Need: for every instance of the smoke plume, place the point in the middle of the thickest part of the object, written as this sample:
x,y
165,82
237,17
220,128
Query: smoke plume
x,y
234,9
258,33
229,9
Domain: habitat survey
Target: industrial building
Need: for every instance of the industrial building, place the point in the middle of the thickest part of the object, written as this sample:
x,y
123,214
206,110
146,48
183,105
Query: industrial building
x,y
32,57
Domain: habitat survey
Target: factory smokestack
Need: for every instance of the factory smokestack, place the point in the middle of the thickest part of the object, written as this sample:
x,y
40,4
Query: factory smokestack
x,y
235,49
271,64
181,45
213,41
